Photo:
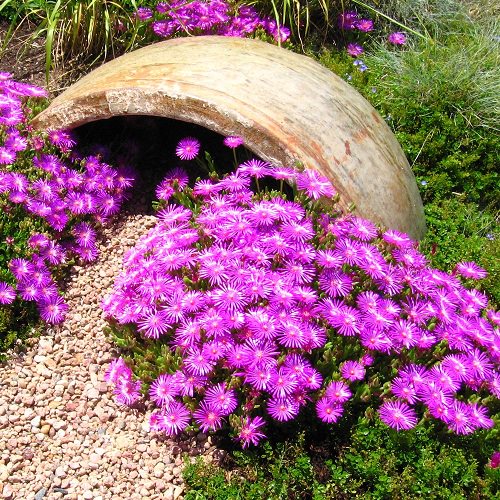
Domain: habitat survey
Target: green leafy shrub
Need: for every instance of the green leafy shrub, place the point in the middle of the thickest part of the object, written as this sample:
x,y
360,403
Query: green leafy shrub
x,y
460,230
361,460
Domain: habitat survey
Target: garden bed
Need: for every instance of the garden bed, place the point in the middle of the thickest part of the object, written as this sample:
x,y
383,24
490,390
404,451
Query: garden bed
x,y
63,436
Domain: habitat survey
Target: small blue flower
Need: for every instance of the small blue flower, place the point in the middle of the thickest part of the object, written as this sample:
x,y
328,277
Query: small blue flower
x,y
374,90
424,183
490,236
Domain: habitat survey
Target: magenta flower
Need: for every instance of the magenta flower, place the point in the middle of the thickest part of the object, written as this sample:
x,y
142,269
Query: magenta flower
x,y
54,310
174,418
470,270
188,148
354,49
116,370
338,392
403,389
256,168
233,141
126,391
154,324
315,184
495,460
208,417
352,370
250,432
222,399
328,411
61,138
398,415
282,409
397,38
365,25
347,20
7,293
164,389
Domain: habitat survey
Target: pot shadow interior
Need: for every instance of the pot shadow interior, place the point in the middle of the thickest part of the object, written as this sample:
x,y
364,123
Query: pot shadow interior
x,y
147,144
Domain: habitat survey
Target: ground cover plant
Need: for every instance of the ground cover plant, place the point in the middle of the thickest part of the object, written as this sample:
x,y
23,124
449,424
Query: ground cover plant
x,y
435,81
51,204
328,301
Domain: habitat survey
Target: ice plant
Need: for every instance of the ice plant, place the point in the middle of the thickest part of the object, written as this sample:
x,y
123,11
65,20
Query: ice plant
x,y
397,38
69,196
267,304
209,17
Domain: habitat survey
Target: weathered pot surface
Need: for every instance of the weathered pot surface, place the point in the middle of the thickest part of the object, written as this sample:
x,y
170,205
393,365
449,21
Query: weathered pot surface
x,y
287,107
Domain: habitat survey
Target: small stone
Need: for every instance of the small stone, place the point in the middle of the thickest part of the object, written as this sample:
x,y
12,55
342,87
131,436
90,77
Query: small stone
x,y
141,447
178,492
40,493
45,429
59,472
122,442
35,422
7,491
60,490
28,454
93,393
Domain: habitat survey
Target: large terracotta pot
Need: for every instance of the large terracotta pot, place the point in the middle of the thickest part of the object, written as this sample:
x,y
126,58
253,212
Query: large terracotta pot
x,y
287,108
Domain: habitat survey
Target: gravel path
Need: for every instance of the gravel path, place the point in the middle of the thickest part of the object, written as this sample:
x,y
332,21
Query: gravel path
x,y
61,434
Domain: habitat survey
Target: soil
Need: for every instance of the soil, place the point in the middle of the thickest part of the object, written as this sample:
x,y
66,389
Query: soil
x,y
22,57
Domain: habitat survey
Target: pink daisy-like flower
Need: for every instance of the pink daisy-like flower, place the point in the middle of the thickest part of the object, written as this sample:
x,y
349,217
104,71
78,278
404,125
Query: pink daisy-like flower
x,y
282,384
328,411
233,141
460,418
397,38
354,49
282,409
364,25
197,362
470,270
154,324
117,369
398,415
54,310
250,432
347,20
224,400
335,283
7,156
61,138
495,460
175,418
397,238
187,148
256,168
164,389
338,392
7,293
315,185
404,389
127,391
352,370
208,417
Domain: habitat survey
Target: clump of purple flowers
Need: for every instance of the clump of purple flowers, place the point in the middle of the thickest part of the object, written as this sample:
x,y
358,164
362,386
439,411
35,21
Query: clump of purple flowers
x,y
209,17
70,197
268,305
